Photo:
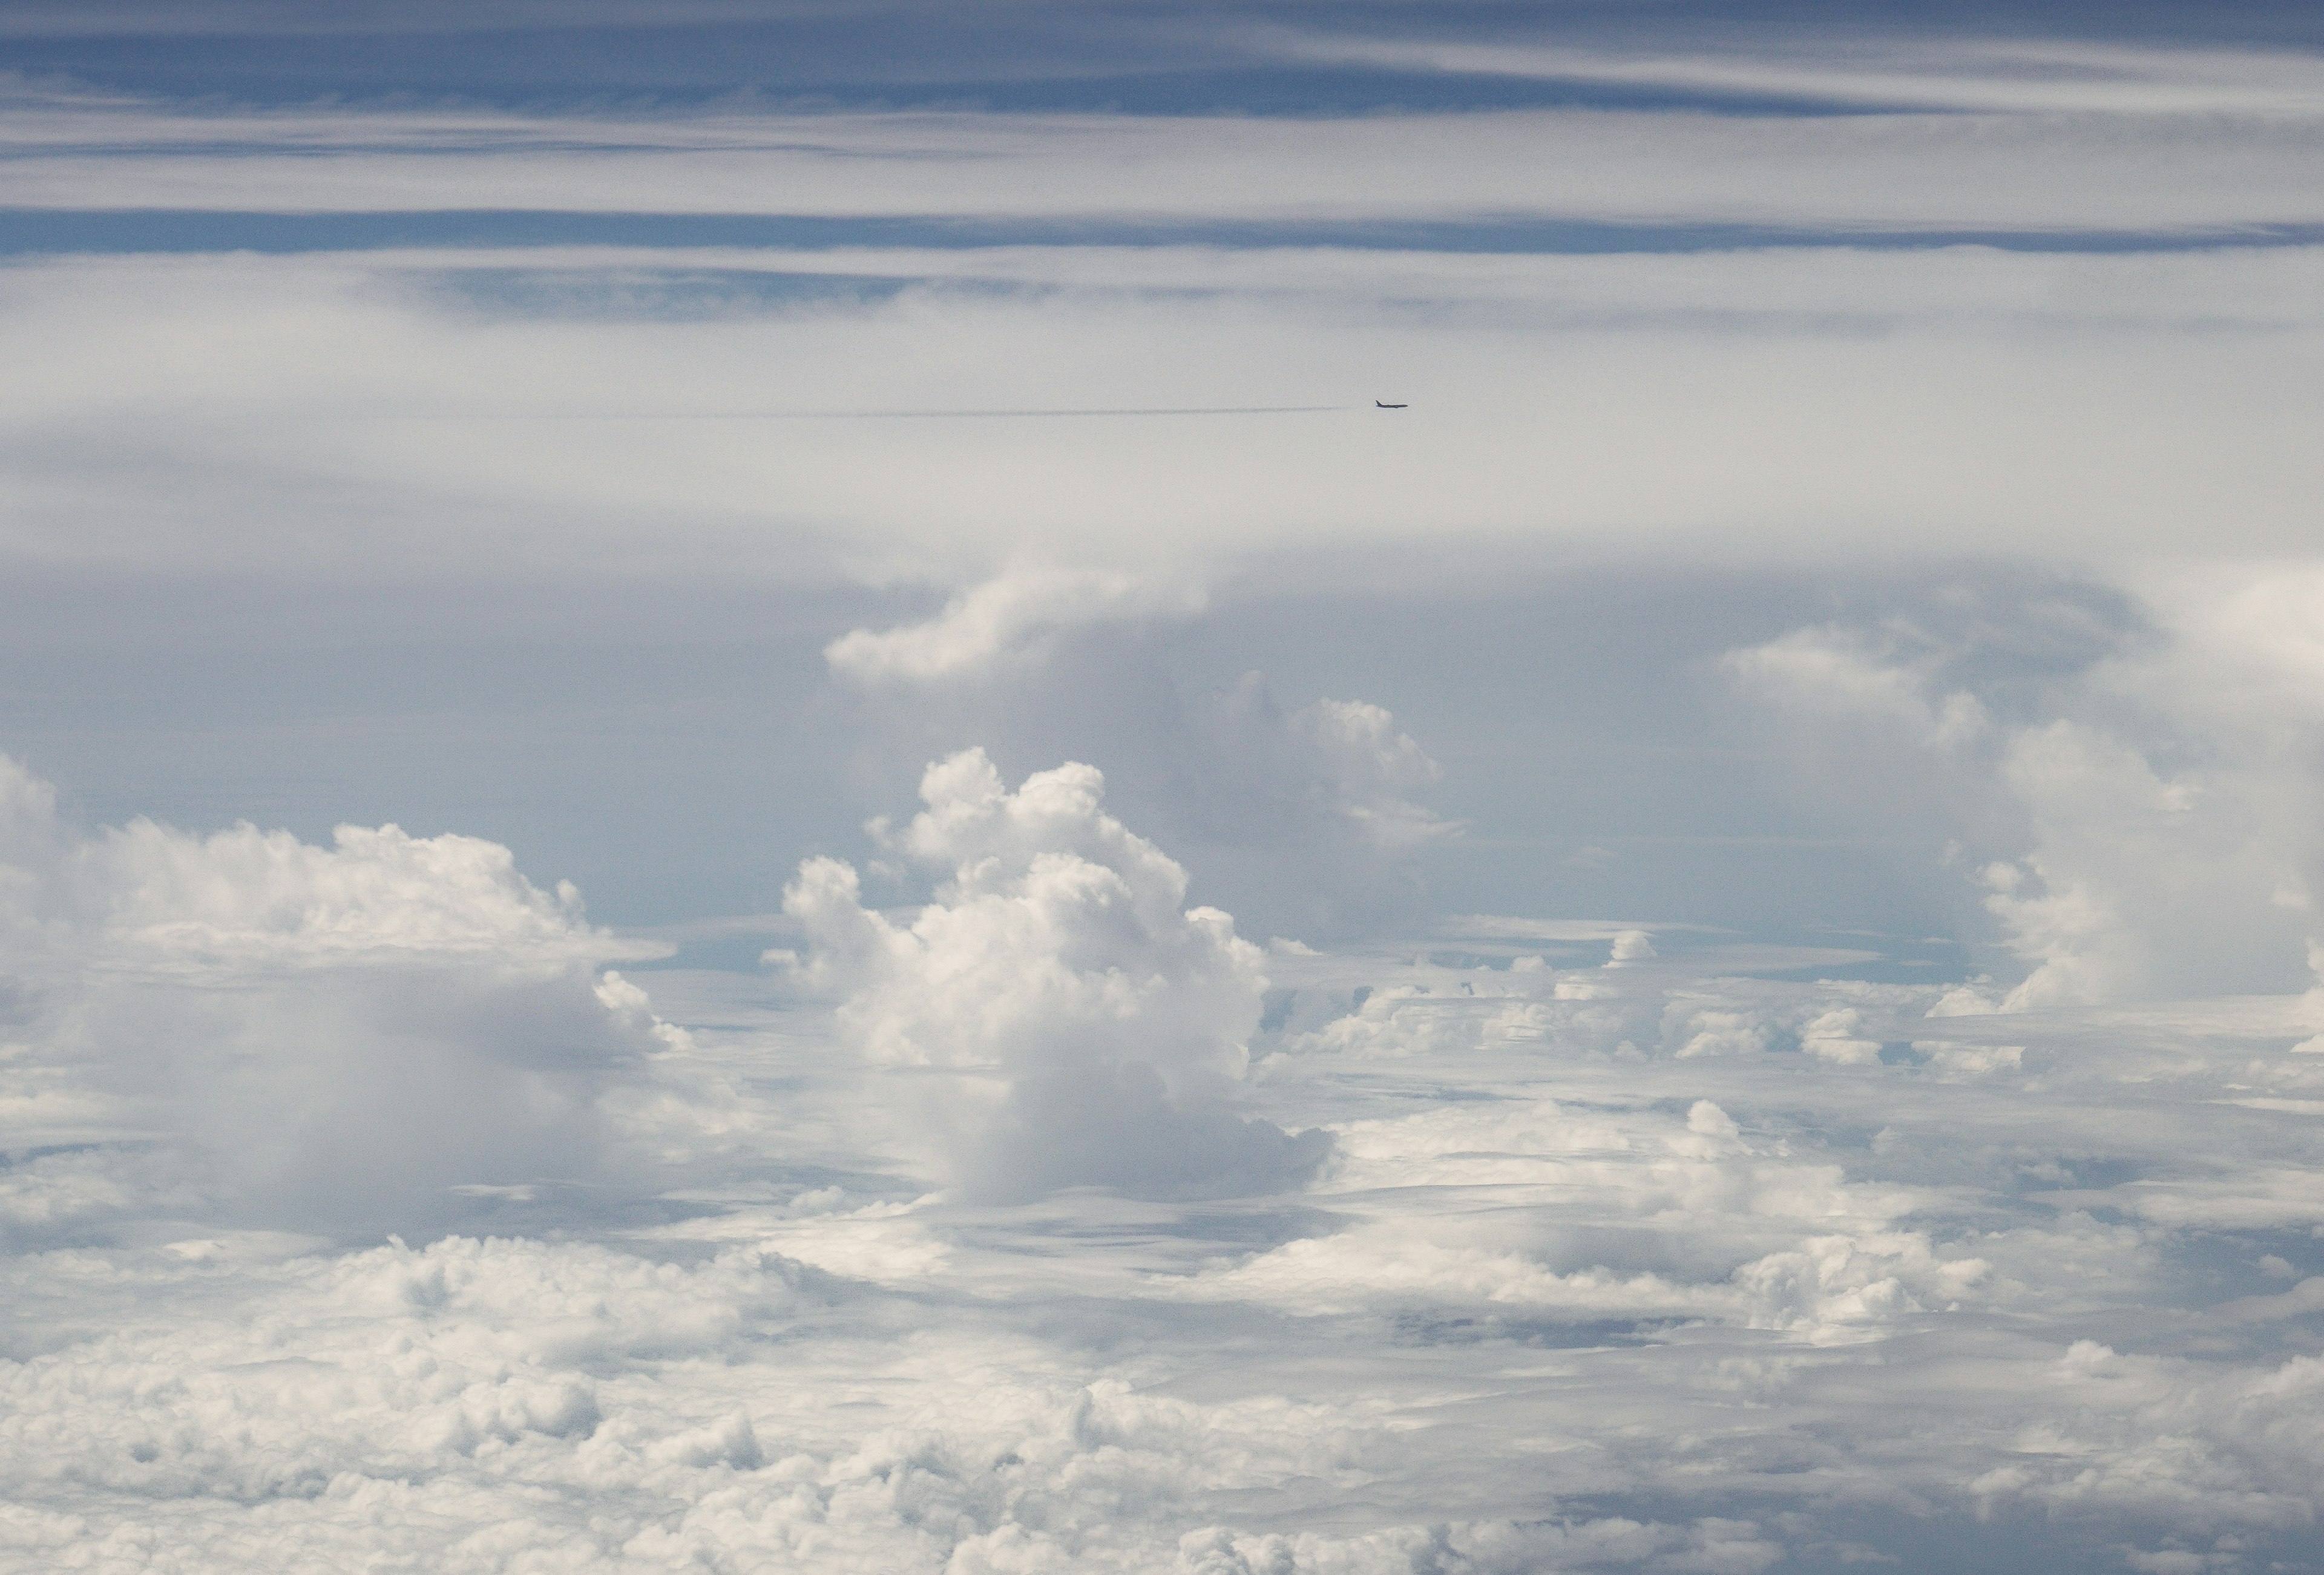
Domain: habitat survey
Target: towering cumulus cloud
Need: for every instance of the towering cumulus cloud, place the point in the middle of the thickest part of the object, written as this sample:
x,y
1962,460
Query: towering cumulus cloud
x,y
1084,1026
248,1028
2128,786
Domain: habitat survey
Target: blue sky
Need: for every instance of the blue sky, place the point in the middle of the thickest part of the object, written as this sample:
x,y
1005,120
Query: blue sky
x,y
752,817
1160,58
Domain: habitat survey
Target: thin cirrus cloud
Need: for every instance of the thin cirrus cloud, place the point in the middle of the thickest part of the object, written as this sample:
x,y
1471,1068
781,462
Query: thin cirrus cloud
x,y
1902,173
1978,76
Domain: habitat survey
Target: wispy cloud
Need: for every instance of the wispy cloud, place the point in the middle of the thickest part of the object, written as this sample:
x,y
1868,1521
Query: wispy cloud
x,y
1946,171
2021,78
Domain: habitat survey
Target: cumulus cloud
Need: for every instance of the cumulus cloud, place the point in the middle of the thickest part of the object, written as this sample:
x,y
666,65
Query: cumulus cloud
x,y
1629,1238
323,1038
2131,823
483,1404
1338,779
1307,820
1013,618
1707,1302
1087,1027
1630,946
1370,769
1722,1261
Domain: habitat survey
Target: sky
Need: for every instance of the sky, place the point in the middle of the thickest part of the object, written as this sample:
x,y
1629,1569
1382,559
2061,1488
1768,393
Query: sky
x,y
752,818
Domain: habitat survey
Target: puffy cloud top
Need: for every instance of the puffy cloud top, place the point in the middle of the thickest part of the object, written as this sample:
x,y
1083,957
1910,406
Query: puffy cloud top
x,y
330,1038
1094,1025
1010,618
2148,785
1371,770
250,895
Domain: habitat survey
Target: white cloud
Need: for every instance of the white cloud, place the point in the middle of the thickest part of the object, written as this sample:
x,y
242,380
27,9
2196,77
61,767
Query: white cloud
x,y
1959,170
1704,1306
1716,1546
1840,670
1630,946
1718,1268
1371,771
1088,1027
244,896
2136,826
478,1404
1803,1251
1013,618
2018,77
330,1038
319,416
1332,791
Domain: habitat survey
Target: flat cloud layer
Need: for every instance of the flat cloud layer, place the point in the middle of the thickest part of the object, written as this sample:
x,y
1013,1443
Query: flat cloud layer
x,y
319,416
825,407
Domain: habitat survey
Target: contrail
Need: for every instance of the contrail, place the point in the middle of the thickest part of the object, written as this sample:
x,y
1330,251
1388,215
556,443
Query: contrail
x,y
867,415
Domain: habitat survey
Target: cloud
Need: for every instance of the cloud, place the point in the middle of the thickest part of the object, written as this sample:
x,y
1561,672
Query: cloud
x,y
1708,1303
428,416
1631,946
1836,669
1724,1259
1728,1547
1305,821
1013,618
251,898
329,1039
2016,77
1336,782
2049,173
2125,815
1089,1029
476,1402
1371,769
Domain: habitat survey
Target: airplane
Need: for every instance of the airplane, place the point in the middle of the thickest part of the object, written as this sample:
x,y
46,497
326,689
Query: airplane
x,y
1384,405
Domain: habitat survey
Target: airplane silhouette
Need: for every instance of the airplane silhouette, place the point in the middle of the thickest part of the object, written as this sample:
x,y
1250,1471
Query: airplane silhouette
x,y
1384,405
